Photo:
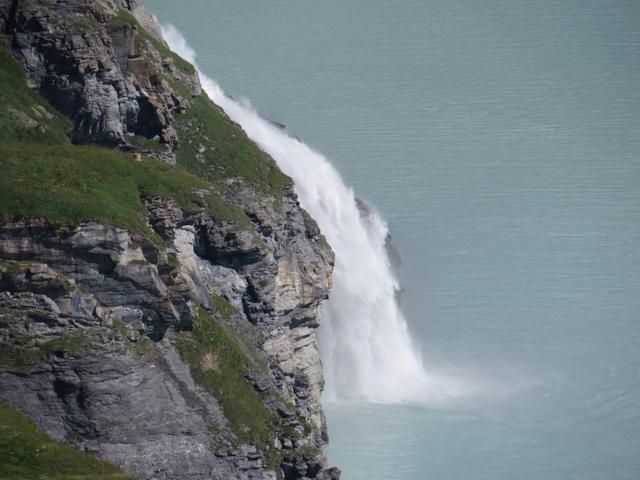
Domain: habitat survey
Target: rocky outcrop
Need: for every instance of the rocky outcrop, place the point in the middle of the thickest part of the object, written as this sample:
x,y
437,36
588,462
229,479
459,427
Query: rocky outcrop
x,y
112,304
95,63
278,279
131,343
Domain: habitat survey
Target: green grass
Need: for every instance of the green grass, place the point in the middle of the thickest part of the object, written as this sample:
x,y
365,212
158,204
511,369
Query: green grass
x,y
19,104
12,268
28,454
228,151
80,23
44,175
227,311
219,364
223,308
219,208
121,328
17,358
68,183
142,346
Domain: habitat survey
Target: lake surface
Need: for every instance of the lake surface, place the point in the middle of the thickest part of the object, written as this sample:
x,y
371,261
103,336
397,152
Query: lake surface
x,y
501,142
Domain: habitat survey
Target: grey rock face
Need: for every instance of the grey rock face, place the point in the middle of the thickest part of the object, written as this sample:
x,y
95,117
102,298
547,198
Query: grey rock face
x,y
285,290
93,64
109,400
118,295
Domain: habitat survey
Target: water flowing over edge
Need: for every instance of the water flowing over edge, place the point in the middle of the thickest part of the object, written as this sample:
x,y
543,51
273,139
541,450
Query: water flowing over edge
x,y
365,345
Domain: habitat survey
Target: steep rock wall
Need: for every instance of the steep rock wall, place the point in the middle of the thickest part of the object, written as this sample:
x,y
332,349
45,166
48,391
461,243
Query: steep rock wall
x,y
185,349
91,315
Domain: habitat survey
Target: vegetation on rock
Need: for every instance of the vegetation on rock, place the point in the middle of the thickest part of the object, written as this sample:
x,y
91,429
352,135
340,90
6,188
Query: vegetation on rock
x,y
28,454
22,358
126,18
214,147
221,366
26,117
45,175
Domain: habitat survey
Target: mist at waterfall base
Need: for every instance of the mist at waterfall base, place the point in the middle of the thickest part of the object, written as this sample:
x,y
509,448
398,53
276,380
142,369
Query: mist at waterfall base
x,y
499,140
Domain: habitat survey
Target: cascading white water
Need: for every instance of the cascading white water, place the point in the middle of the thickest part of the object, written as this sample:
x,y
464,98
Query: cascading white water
x,y
365,345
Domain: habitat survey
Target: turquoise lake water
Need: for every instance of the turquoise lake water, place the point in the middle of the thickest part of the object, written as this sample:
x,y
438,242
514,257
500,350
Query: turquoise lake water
x,y
501,142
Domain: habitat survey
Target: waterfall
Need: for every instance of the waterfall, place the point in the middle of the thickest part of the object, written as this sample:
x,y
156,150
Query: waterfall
x,y
366,349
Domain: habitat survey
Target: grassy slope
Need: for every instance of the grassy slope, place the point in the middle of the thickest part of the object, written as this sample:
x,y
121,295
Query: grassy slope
x,y
69,184
219,364
16,97
28,454
44,175
227,150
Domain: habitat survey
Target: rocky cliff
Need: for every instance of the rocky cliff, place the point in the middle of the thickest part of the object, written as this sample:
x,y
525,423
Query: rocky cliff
x,y
160,285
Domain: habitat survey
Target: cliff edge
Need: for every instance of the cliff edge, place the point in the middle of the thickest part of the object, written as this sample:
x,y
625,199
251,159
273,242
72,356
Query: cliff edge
x,y
160,285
